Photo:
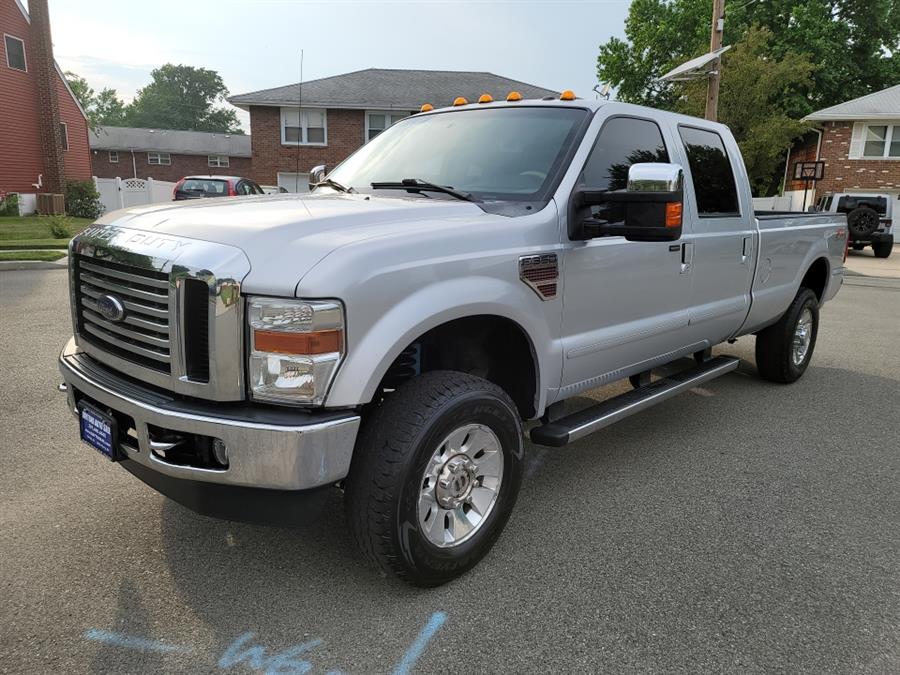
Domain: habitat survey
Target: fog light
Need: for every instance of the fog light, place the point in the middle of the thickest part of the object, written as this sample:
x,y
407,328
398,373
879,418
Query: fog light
x,y
220,452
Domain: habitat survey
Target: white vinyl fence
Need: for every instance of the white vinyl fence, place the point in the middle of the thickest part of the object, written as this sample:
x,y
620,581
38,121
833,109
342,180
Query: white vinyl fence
x,y
118,193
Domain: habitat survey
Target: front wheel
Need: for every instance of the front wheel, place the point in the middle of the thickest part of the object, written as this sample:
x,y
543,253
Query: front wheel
x,y
784,349
435,475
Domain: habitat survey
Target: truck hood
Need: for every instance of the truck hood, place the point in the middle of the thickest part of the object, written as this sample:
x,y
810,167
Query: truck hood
x,y
284,236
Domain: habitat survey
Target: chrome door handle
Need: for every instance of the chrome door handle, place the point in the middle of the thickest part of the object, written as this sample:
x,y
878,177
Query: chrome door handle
x,y
687,258
746,249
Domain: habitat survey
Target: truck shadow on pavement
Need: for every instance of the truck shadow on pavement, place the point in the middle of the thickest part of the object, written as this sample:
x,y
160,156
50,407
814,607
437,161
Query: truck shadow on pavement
x,y
742,488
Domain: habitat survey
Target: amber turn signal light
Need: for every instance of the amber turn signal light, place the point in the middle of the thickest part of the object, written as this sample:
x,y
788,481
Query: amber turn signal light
x,y
567,95
303,344
459,100
485,98
514,96
673,214
426,107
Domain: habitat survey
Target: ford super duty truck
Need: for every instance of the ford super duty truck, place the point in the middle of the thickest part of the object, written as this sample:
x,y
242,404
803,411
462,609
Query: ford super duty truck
x,y
392,333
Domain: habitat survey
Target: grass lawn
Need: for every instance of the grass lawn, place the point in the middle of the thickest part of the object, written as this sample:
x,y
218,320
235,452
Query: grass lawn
x,y
31,255
14,228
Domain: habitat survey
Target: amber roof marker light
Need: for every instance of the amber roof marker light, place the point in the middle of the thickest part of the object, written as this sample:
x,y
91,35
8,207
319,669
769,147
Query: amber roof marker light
x,y
485,98
567,95
514,96
460,100
426,107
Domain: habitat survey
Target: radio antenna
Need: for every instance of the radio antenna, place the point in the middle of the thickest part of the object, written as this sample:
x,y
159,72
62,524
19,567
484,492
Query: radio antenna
x,y
299,126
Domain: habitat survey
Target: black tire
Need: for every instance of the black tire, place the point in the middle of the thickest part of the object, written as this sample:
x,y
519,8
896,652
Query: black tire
x,y
862,222
774,345
388,471
883,249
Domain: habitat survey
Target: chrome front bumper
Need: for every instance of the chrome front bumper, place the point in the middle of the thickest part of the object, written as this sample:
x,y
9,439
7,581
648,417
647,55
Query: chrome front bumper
x,y
279,449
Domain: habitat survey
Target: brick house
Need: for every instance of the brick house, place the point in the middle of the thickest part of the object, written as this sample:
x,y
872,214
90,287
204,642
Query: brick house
x,y
339,114
165,154
859,141
44,133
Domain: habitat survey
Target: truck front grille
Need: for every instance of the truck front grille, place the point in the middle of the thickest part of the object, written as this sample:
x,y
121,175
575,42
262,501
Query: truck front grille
x,y
143,334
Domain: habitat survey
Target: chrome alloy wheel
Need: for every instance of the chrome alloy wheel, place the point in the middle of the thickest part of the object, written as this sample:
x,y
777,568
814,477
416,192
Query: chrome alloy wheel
x,y
461,485
802,336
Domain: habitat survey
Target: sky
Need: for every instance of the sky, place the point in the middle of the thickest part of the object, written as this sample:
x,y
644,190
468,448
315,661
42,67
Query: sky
x,y
255,44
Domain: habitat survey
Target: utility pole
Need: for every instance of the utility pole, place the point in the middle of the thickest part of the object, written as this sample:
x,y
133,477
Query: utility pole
x,y
715,42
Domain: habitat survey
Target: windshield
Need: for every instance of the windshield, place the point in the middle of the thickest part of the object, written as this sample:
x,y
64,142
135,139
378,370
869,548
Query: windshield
x,y
494,153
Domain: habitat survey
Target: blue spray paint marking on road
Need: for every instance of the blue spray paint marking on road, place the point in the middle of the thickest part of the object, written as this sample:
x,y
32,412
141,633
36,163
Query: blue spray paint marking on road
x,y
253,655
416,648
130,642
283,663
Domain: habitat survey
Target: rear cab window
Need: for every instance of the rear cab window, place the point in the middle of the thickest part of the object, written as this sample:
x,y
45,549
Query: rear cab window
x,y
712,175
207,186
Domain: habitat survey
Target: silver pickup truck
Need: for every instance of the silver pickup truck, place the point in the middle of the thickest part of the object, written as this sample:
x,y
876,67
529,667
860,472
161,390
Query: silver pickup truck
x,y
390,334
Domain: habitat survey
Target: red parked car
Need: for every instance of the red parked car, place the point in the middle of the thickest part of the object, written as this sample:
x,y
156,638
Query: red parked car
x,y
198,187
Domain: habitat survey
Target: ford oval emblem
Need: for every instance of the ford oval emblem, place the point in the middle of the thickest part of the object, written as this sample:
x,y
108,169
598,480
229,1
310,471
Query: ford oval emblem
x,y
111,307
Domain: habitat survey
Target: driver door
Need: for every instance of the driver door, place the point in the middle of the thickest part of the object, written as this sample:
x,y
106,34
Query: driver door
x,y
626,304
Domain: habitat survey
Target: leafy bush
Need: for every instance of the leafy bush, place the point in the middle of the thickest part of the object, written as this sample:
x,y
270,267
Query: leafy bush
x,y
59,228
9,204
83,200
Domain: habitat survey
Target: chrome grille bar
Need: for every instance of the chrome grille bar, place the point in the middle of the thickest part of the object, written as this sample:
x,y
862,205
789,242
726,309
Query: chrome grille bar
x,y
133,306
126,345
126,276
119,288
162,343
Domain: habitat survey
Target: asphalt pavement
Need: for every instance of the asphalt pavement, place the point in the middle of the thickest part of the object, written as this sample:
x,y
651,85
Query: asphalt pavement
x,y
741,527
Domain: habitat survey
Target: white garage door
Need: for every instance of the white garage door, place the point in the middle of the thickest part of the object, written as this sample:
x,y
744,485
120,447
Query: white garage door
x,y
294,182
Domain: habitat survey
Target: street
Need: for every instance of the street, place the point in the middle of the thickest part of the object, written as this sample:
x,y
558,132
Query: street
x,y
743,526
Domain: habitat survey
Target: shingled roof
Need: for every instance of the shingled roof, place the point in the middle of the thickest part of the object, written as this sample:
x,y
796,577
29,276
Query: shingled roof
x,y
884,104
380,88
170,140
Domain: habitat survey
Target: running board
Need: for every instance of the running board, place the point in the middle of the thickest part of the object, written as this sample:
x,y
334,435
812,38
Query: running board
x,y
584,422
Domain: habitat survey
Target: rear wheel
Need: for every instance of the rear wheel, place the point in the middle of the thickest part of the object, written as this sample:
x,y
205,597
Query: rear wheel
x,y
784,349
435,476
883,249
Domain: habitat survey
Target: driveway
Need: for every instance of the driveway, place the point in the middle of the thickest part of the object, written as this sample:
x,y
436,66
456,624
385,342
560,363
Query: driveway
x,y
741,527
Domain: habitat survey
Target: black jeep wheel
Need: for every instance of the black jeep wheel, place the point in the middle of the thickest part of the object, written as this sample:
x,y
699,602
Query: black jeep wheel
x,y
883,249
435,475
784,349
862,222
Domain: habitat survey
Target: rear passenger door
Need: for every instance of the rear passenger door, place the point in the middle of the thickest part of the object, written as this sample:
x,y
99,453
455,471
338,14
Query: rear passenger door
x,y
724,244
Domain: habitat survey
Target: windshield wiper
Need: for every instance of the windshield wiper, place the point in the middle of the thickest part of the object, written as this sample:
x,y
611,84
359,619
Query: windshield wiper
x,y
330,182
419,185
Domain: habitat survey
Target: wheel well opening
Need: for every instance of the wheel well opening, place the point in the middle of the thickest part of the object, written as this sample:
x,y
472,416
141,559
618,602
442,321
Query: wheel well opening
x,y
816,278
491,347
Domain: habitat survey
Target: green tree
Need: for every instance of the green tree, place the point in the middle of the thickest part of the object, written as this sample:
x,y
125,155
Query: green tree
x,y
755,104
109,108
183,97
101,109
855,45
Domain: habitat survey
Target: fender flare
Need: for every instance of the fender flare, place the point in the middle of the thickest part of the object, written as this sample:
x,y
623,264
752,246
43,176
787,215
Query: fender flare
x,y
358,377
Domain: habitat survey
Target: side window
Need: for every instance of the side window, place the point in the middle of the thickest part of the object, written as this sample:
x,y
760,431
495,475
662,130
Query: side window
x,y
623,141
711,173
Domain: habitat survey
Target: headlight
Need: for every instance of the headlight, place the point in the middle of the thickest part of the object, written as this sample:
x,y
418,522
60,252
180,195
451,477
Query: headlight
x,y
295,348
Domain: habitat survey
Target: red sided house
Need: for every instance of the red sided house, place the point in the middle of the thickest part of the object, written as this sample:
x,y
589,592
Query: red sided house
x,y
859,143
44,132
340,113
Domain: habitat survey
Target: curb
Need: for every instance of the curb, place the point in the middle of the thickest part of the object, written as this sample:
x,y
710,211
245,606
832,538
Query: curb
x,y
11,265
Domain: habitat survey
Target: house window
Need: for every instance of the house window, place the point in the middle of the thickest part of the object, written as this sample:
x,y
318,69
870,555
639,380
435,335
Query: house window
x,y
15,53
217,160
881,140
303,127
113,156
379,120
64,136
160,158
